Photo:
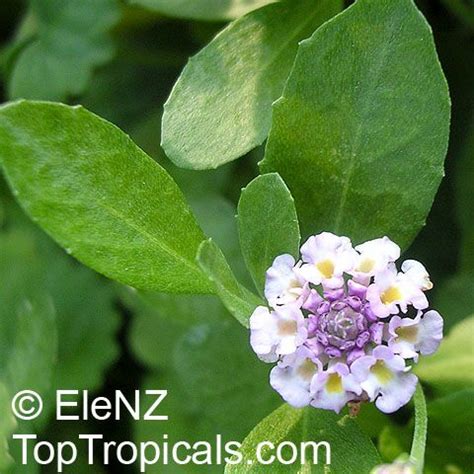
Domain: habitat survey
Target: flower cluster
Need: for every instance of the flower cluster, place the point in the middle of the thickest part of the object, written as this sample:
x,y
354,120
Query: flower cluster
x,y
339,324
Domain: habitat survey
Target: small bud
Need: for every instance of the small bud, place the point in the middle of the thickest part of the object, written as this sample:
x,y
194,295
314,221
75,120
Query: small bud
x,y
394,468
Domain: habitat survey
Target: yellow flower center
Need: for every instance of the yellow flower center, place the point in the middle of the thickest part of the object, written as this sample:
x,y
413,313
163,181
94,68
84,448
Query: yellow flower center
x,y
334,383
366,265
390,295
286,327
294,288
307,369
408,333
326,267
382,372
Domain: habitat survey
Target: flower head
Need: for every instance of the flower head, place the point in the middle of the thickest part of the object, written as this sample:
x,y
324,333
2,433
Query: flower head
x,y
340,324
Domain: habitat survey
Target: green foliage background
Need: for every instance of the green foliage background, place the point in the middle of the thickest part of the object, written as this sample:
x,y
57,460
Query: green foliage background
x,y
120,60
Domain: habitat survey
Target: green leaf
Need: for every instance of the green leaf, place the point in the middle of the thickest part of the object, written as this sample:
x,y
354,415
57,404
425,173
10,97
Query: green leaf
x,y
220,108
238,300
361,131
72,39
417,453
268,224
350,449
7,427
452,425
210,10
451,368
101,197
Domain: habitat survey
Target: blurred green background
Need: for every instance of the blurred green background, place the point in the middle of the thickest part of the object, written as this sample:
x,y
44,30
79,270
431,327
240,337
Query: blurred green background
x,y
121,61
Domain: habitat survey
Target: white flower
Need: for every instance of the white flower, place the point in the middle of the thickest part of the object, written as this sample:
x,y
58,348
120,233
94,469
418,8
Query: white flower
x,y
275,333
383,376
415,272
291,378
373,257
282,284
326,257
392,292
410,336
333,388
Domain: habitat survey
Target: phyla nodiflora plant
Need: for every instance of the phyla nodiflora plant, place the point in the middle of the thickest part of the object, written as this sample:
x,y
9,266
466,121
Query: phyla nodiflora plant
x,y
340,326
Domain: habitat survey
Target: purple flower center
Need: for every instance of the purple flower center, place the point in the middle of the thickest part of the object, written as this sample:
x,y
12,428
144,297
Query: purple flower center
x,y
343,327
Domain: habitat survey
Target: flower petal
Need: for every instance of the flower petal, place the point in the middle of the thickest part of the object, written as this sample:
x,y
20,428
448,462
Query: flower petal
x,y
396,394
430,333
263,334
417,274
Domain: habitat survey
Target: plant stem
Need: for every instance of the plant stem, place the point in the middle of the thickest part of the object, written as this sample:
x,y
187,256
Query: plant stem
x,y
417,454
